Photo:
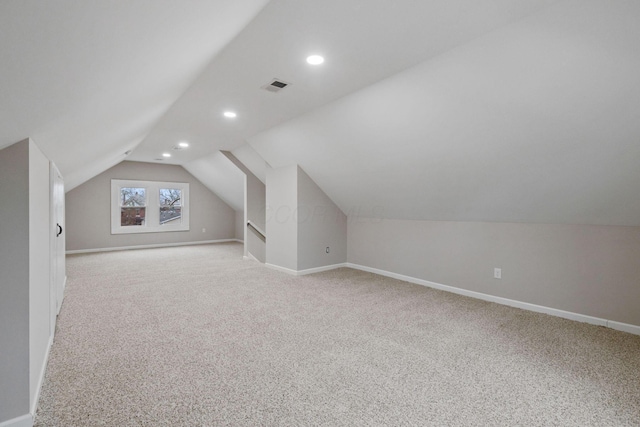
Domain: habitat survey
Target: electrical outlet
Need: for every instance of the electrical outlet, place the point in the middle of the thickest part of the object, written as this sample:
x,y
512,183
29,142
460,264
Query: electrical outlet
x,y
327,250
497,273
204,230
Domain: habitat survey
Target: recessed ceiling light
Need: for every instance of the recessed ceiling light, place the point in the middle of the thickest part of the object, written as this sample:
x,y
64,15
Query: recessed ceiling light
x,y
166,155
230,114
183,144
315,59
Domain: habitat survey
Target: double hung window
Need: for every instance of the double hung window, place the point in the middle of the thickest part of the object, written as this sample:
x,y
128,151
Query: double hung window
x,y
149,206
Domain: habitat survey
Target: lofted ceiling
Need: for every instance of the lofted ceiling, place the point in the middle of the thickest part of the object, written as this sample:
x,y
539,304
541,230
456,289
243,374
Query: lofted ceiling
x,y
538,121
363,41
88,80
493,110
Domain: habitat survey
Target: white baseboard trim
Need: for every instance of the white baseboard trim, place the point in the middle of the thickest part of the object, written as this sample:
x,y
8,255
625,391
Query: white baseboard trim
x,y
624,327
250,257
43,370
159,245
281,269
23,421
321,269
307,271
633,329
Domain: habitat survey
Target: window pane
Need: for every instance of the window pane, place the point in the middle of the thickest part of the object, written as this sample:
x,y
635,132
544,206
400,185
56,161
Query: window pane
x,y
170,205
132,216
170,215
133,197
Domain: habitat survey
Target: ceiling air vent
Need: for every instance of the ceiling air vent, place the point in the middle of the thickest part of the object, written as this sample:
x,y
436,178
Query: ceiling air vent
x,y
275,86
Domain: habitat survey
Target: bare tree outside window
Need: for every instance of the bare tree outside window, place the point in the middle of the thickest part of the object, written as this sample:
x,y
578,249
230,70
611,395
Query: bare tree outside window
x,y
133,203
149,206
170,205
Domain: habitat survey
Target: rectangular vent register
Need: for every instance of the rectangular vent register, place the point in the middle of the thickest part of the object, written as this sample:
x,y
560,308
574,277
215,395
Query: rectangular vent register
x,y
276,85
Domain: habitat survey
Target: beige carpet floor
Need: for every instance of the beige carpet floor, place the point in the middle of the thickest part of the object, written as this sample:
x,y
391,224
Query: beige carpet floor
x,y
195,336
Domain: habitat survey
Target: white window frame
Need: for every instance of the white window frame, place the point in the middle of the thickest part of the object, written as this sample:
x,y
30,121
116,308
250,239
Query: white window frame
x,y
152,212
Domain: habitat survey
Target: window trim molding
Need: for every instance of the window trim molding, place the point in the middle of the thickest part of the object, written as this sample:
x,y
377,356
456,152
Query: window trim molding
x,y
152,213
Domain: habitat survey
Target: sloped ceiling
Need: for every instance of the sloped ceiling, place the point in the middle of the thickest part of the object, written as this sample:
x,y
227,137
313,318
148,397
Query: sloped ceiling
x,y
87,80
538,121
363,41
493,110
221,176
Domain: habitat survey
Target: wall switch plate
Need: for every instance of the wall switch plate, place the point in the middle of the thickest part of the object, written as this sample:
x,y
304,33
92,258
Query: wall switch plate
x,y
327,250
497,273
204,230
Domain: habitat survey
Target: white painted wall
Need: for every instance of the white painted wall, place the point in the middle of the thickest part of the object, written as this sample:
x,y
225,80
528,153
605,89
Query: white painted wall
x,y
254,206
39,268
256,213
14,281
321,224
590,270
220,176
302,222
25,287
281,226
252,161
88,210
256,247
239,230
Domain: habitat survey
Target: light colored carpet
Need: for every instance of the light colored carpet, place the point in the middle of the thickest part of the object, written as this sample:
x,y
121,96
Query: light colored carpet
x,y
194,336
